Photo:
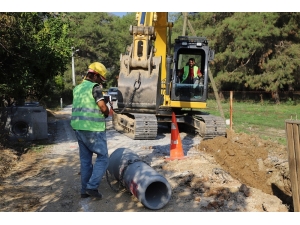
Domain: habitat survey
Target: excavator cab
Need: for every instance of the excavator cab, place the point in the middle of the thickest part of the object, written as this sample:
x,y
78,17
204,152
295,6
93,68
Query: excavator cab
x,y
195,90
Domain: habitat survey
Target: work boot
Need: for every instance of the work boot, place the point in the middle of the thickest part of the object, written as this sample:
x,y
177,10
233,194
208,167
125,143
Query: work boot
x,y
84,195
94,193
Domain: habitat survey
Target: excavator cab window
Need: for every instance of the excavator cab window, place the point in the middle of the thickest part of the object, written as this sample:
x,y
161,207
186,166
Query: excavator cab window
x,y
186,86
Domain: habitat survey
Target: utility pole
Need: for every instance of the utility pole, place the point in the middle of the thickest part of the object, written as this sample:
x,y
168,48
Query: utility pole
x,y
184,14
186,21
191,28
73,67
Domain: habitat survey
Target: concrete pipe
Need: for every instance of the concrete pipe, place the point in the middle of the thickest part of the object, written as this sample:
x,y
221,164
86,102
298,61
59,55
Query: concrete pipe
x,y
148,186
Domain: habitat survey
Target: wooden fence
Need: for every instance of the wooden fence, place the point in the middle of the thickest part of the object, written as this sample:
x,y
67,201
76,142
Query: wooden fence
x,y
293,146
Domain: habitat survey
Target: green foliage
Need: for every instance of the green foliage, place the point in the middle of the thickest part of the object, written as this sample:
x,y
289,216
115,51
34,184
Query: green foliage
x,y
34,49
253,50
59,81
267,120
99,37
290,102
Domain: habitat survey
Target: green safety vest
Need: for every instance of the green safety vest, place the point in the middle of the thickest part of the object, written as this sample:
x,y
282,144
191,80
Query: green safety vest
x,y
86,114
186,70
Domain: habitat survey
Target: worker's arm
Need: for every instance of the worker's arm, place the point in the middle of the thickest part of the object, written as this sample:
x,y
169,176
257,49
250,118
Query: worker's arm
x,y
199,74
99,98
103,107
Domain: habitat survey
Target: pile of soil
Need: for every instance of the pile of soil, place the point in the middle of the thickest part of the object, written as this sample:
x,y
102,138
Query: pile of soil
x,y
253,161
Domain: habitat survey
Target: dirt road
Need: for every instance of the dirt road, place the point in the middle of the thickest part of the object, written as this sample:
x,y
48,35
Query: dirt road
x,y
236,174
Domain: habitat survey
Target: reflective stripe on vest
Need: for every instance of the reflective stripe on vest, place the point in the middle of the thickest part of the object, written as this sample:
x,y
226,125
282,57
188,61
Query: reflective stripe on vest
x,y
186,70
88,118
86,114
86,110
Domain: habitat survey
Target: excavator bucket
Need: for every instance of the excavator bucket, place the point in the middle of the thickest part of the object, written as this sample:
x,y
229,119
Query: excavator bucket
x,y
139,88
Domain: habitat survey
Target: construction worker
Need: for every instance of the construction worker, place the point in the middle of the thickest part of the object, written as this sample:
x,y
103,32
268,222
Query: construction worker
x,y
190,72
89,111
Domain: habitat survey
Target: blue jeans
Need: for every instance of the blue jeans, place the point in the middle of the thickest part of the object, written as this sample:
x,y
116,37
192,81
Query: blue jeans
x,y
92,142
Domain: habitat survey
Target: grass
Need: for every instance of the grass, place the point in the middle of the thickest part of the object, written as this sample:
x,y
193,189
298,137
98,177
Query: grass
x,y
37,148
265,120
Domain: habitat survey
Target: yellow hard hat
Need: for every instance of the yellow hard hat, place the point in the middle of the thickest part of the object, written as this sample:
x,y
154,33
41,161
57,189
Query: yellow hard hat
x,y
98,68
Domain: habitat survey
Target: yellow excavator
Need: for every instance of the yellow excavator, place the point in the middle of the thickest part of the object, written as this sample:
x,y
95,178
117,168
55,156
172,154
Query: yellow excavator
x,y
149,86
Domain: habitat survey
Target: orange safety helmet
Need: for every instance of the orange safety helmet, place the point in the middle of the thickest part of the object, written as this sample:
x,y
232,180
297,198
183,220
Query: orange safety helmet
x,y
98,68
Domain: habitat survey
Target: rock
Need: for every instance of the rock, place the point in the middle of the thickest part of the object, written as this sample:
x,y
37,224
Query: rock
x,y
244,189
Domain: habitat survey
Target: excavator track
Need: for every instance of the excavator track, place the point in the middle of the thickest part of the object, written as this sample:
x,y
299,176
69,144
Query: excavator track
x,y
136,126
214,126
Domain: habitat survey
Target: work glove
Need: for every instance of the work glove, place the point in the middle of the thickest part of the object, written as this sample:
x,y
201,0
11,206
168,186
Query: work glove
x,y
110,104
106,99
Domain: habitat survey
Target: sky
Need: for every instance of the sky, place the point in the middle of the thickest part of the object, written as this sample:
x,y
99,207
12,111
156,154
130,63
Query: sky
x,y
156,5
120,14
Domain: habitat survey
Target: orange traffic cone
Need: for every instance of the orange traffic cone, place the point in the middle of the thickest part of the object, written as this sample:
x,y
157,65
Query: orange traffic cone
x,y
176,151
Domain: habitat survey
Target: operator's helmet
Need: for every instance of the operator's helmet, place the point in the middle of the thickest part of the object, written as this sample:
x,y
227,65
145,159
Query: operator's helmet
x,y
98,68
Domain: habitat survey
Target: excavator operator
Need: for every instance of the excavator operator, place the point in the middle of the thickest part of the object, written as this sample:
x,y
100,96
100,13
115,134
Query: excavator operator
x,y
190,72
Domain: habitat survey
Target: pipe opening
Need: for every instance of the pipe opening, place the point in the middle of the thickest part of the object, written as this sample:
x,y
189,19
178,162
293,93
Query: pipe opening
x,y
152,189
157,194
20,128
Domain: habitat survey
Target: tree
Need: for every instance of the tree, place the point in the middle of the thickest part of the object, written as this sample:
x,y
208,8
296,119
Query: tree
x,y
99,37
34,50
254,51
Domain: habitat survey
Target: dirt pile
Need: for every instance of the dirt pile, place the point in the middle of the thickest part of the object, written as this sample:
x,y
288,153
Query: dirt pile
x,y
253,161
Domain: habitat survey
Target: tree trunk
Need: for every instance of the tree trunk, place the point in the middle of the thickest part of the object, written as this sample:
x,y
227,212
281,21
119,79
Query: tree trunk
x,y
275,96
291,92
